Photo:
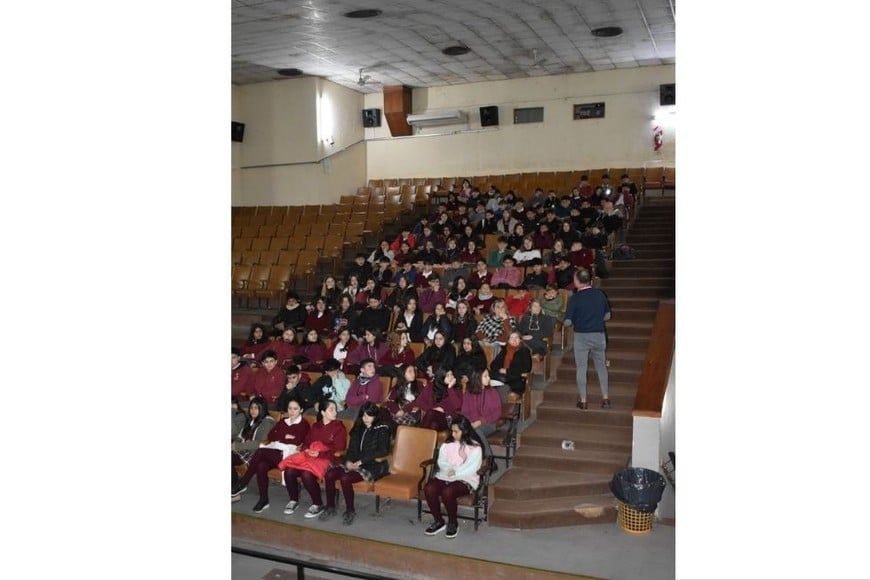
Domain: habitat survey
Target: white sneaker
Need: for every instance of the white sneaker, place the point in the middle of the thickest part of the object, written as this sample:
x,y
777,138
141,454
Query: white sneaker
x,y
314,511
291,507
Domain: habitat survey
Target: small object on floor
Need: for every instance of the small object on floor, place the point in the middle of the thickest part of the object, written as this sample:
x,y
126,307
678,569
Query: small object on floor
x,y
347,518
452,531
291,507
327,513
605,404
314,511
261,505
607,363
589,510
582,405
238,490
435,528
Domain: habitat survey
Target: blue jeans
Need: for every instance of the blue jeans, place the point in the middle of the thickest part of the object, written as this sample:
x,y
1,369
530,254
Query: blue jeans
x,y
594,344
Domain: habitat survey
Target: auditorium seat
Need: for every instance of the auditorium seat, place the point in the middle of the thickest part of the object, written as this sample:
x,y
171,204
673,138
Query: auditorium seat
x,y
250,257
478,500
276,287
413,446
261,243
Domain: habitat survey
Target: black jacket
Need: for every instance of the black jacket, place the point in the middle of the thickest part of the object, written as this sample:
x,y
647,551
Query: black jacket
x,y
521,363
367,444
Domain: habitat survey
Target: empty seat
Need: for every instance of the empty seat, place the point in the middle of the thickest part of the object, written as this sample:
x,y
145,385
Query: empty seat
x,y
250,257
261,243
278,243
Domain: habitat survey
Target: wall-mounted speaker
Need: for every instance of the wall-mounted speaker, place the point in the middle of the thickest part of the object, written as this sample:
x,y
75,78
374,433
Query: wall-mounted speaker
x,y
371,117
489,116
238,131
668,94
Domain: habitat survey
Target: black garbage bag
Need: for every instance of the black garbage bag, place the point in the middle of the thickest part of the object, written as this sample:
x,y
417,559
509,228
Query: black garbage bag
x,y
638,487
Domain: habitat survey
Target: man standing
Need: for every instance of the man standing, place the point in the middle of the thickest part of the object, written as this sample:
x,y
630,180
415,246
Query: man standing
x,y
587,311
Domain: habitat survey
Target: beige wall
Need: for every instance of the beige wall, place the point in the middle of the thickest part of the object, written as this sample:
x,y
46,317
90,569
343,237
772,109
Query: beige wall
x,y
623,138
287,157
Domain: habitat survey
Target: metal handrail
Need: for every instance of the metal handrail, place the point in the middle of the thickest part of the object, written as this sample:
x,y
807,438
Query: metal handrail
x,y
302,565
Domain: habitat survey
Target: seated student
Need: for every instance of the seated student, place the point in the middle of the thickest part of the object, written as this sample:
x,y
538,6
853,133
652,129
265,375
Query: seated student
x,y
359,268
481,404
527,252
424,232
582,257
552,257
375,316
371,347
291,315
371,288
344,345
398,356
517,301
404,255
467,234
382,251
508,366
470,254
320,318
297,386
410,320
496,256
451,251
563,208
332,385
283,439
464,323
425,274
470,359
400,295
439,321
429,253
480,276
562,275
326,436
364,388
452,272
440,400
383,275
439,354
535,326
405,236
431,296
515,241
312,352
403,402
255,345
488,224
241,376
482,301
286,348
508,276
369,441
536,278
407,271
257,426
269,380
455,475
496,326
544,238
552,303
460,291
330,292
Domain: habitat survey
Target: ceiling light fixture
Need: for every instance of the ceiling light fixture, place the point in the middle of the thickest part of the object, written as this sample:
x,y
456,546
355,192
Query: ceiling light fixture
x,y
366,13
456,50
607,31
289,72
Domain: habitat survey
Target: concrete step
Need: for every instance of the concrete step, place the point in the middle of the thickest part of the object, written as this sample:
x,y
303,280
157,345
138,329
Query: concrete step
x,y
579,460
594,415
623,281
550,434
530,484
568,397
639,292
618,303
553,512
619,342
621,371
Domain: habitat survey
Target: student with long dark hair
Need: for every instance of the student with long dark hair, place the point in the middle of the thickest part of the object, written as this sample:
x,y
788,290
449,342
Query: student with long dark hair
x,y
440,354
257,342
481,404
369,440
256,429
440,399
284,439
456,475
403,400
470,359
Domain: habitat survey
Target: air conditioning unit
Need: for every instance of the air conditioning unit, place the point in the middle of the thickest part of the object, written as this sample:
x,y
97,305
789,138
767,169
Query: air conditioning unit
x,y
433,119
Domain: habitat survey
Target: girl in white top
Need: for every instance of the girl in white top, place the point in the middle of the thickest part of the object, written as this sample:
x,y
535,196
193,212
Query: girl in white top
x,y
527,252
457,474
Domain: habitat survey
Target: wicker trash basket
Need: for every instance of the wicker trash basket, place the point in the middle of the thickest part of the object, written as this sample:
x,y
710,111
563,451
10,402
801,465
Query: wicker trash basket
x,y
633,521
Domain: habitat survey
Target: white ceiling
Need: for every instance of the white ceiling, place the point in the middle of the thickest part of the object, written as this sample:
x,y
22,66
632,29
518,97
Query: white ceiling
x,y
508,39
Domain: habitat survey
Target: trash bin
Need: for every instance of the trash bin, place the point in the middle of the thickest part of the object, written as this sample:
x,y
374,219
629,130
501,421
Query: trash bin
x,y
639,491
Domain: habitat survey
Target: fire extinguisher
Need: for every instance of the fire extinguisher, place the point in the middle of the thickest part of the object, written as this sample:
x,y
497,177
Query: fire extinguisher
x,y
657,138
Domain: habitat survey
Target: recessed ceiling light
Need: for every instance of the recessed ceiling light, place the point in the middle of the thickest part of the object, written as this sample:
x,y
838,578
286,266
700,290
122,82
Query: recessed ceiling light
x,y
607,31
367,13
289,72
456,50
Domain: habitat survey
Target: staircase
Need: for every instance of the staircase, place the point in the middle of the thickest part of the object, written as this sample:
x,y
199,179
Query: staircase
x,y
546,483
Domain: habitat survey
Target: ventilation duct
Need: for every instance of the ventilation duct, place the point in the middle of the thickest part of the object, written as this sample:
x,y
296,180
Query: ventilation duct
x,y
434,119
